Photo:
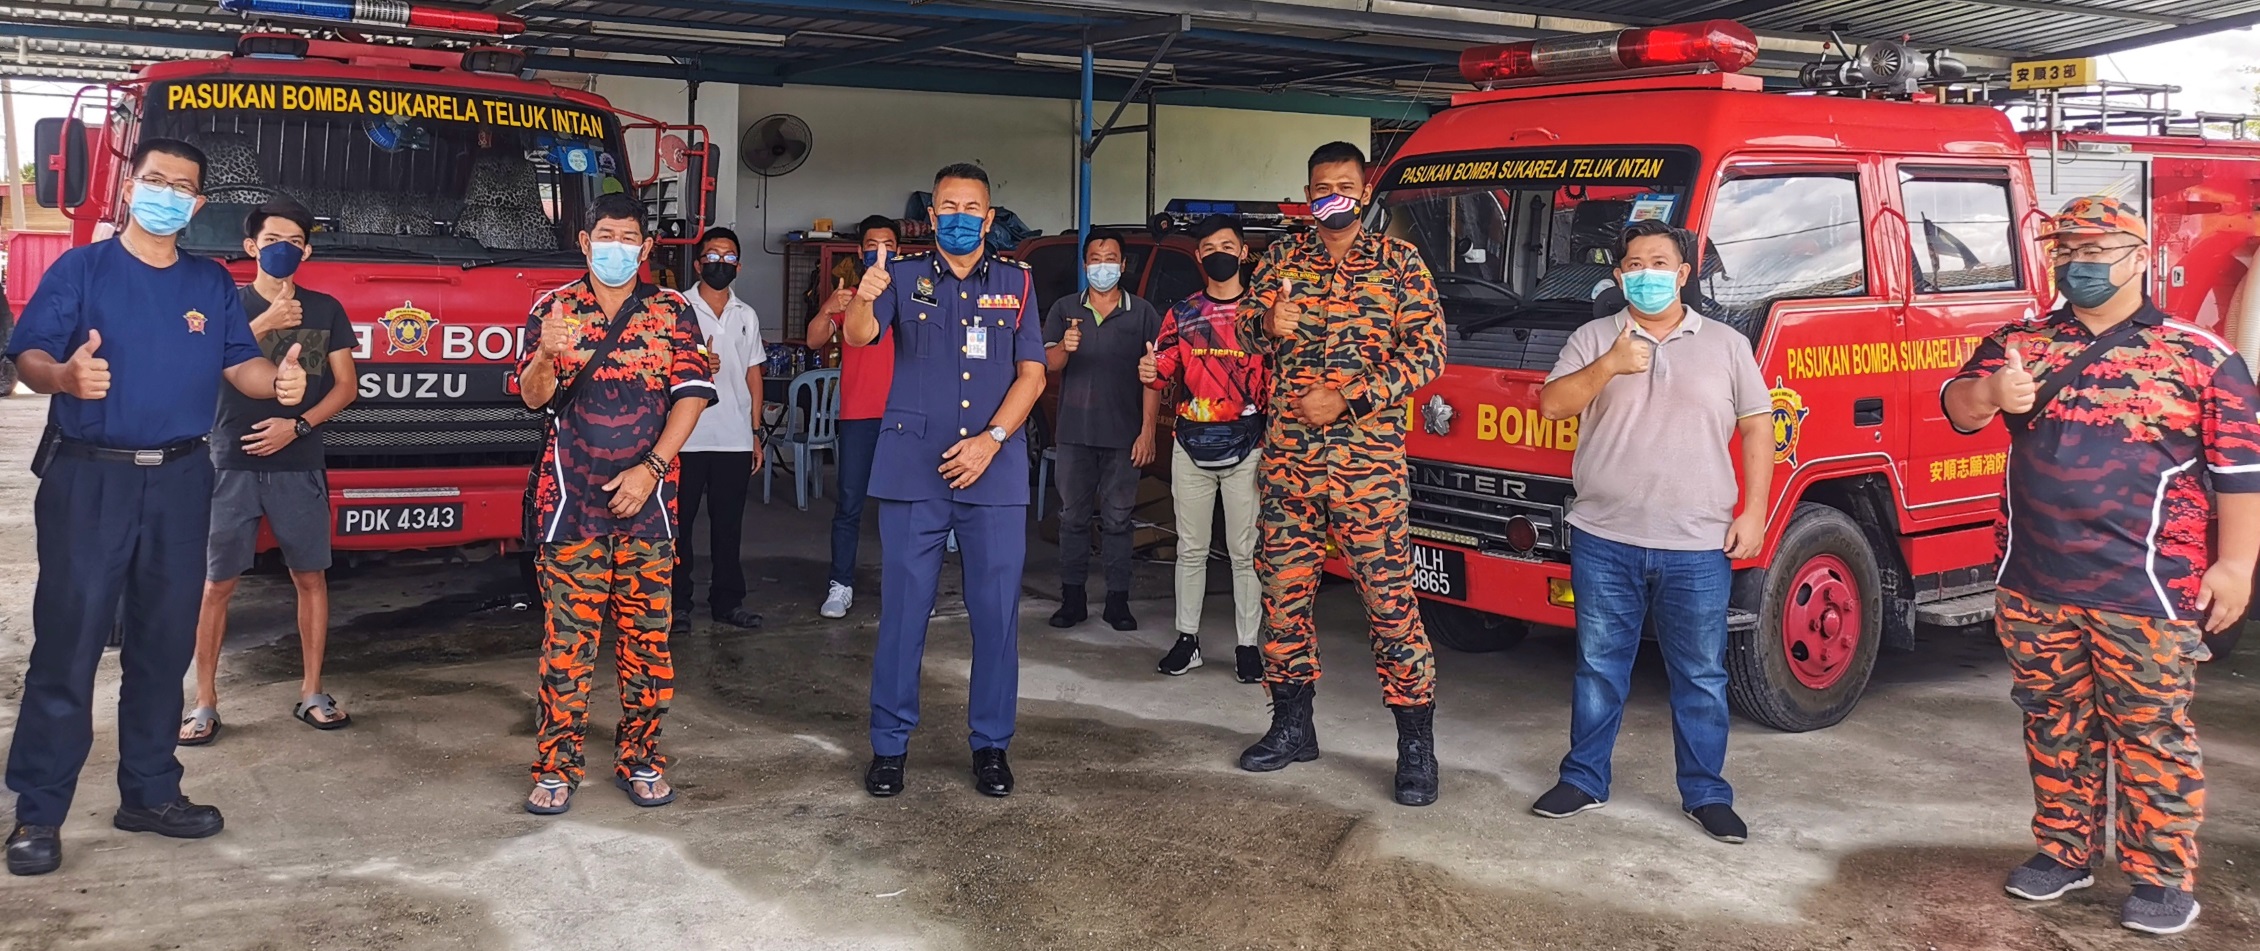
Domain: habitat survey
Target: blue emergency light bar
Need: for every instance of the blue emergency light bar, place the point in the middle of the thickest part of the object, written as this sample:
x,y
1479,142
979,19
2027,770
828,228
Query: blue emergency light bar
x,y
383,13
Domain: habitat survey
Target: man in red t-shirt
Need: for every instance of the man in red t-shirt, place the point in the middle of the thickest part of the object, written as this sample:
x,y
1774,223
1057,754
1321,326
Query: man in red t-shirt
x,y
1219,430
864,375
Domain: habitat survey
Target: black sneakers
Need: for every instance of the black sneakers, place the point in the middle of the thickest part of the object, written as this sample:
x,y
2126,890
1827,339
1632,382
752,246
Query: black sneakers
x,y
34,850
1719,822
2156,909
1564,801
179,819
1183,656
1247,663
2042,878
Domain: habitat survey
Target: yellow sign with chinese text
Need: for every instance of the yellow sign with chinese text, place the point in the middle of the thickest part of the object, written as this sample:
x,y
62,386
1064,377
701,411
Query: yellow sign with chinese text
x,y
2052,73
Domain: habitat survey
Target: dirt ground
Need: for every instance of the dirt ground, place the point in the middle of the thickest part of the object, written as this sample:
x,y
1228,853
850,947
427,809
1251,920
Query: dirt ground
x,y
1130,828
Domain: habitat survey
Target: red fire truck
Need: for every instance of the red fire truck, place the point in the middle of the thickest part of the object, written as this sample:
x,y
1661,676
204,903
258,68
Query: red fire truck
x,y
1863,235
447,192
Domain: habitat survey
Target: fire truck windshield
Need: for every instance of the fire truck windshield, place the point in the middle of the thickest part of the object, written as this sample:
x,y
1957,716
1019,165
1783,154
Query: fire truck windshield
x,y
1523,241
393,174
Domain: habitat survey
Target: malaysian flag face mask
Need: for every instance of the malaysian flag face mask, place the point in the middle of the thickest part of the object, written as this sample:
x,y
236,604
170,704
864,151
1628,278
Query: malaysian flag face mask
x,y
1336,212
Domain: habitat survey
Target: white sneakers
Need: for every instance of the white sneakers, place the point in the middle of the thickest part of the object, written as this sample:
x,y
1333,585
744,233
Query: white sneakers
x,y
836,603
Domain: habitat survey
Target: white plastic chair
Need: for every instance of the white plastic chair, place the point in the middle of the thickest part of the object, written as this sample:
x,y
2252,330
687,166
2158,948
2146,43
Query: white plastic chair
x,y
812,425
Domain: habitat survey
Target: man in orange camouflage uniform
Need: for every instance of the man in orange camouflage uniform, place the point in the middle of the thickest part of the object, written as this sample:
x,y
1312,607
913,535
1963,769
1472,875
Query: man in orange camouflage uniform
x,y
1350,323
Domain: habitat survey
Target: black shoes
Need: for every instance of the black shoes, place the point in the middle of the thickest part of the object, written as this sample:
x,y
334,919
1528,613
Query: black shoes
x,y
1118,611
1416,754
990,774
179,819
1293,738
1183,656
1248,664
884,778
739,617
1074,608
1719,822
34,850
1564,801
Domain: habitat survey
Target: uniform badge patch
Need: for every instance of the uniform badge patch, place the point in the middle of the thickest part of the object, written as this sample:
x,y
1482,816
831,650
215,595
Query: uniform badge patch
x,y
926,287
1788,422
408,329
195,320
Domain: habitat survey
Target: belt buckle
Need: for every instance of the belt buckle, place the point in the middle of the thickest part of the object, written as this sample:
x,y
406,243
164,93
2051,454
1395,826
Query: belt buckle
x,y
149,457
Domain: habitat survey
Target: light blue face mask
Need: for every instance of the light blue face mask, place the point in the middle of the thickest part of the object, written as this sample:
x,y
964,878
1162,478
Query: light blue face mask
x,y
161,211
1103,276
1650,291
614,262
958,232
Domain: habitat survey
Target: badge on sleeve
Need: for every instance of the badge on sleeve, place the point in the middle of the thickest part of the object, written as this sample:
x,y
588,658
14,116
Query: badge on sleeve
x,y
195,320
977,342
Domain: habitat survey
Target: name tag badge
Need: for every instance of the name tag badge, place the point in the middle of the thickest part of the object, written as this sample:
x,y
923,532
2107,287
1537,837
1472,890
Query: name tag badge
x,y
977,342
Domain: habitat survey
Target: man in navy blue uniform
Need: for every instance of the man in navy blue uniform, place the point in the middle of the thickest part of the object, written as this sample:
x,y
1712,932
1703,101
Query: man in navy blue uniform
x,y
969,364
132,336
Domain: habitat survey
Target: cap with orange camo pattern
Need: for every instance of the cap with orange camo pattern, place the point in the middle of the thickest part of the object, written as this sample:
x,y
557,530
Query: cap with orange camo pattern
x,y
2097,214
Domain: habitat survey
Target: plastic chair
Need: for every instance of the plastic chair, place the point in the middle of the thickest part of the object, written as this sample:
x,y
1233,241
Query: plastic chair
x,y
817,394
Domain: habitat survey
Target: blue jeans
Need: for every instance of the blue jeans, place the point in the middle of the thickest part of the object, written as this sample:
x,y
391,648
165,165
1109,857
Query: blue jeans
x,y
859,439
1619,587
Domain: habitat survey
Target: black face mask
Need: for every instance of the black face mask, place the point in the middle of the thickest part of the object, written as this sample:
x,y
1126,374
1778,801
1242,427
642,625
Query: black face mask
x,y
717,274
1219,266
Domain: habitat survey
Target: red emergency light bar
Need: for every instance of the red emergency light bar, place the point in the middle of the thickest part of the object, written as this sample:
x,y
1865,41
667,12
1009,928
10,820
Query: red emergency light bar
x,y
1725,44
383,13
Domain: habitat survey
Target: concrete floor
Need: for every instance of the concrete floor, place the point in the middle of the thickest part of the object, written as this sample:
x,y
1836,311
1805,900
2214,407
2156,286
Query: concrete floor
x,y
1130,829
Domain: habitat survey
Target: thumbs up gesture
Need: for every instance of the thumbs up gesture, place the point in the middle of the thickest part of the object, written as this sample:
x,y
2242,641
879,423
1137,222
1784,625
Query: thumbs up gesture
x,y
557,331
290,378
85,375
1629,354
1073,338
283,313
2012,386
1286,316
876,280
1147,370
838,302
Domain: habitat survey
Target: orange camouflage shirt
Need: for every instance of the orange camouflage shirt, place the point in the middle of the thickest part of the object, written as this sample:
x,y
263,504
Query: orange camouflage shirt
x,y
1372,329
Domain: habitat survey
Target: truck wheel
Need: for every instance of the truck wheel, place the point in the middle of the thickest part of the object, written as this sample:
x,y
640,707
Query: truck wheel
x,y
1820,623
1470,631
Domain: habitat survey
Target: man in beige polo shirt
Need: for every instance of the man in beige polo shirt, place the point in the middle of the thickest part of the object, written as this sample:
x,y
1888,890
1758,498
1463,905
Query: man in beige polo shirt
x,y
1661,390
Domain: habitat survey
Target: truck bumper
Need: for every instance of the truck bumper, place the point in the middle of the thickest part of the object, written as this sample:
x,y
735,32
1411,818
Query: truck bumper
x,y
1510,587
490,497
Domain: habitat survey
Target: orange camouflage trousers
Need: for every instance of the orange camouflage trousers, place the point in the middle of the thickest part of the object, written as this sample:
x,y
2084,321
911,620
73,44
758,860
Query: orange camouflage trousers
x,y
1316,488
587,586
2100,690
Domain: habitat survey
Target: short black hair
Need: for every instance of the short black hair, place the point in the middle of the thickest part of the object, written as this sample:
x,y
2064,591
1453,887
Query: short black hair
x,y
1215,223
878,221
1336,152
965,170
618,206
175,148
1104,234
713,234
285,208
1656,228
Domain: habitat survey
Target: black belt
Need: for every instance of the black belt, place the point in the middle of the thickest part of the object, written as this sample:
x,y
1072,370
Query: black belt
x,y
139,457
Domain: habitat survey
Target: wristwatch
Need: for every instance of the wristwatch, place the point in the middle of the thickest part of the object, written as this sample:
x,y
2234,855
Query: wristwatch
x,y
301,426
1000,434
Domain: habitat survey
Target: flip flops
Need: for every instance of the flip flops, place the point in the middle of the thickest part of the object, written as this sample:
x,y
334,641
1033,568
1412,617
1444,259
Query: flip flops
x,y
628,783
552,786
204,722
325,703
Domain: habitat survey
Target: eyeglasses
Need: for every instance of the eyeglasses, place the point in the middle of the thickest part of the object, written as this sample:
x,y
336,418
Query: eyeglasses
x,y
716,257
2091,253
183,189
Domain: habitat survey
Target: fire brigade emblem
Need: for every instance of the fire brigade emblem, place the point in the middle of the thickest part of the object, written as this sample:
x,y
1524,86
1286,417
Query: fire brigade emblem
x,y
1436,416
1788,422
407,329
195,320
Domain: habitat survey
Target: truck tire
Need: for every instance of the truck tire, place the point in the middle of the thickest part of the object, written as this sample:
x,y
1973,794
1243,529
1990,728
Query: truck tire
x,y
1470,631
1820,624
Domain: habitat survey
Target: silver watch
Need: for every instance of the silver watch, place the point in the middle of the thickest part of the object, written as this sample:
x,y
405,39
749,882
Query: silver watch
x,y
1000,434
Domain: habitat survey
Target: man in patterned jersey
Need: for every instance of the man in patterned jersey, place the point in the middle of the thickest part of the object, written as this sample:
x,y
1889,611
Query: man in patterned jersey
x,y
605,497
1219,430
1349,320
2113,569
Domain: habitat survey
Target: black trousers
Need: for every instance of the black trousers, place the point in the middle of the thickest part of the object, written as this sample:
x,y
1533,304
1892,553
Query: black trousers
x,y
719,478
110,531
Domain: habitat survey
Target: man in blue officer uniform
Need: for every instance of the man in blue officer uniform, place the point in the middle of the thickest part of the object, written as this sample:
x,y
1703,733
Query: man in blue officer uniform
x,y
969,364
132,336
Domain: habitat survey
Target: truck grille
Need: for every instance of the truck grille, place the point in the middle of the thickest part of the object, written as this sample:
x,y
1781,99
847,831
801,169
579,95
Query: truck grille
x,y
396,436
1507,348
1472,508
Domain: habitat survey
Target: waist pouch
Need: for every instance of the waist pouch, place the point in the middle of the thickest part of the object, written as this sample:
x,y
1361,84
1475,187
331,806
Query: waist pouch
x,y
1220,445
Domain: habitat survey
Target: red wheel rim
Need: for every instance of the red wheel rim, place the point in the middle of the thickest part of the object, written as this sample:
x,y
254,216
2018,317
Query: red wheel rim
x,y
1821,622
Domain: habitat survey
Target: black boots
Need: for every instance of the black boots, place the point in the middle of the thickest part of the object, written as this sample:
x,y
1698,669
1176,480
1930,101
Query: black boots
x,y
1118,611
1073,607
1416,754
1292,738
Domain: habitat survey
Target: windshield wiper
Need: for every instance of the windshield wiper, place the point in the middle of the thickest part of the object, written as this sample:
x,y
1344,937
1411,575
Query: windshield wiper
x,y
511,258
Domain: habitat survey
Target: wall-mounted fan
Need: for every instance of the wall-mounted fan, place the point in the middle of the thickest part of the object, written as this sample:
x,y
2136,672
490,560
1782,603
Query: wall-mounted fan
x,y
774,145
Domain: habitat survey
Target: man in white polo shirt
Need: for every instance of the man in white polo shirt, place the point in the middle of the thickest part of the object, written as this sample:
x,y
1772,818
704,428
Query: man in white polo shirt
x,y
1661,391
721,457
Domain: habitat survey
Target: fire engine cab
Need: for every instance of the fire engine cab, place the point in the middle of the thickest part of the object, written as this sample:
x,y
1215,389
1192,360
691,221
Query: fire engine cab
x,y
448,191
1863,234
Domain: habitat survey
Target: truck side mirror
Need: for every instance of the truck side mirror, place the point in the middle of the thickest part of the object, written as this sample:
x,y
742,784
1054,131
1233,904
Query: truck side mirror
x,y
59,162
